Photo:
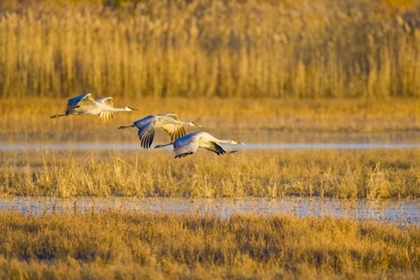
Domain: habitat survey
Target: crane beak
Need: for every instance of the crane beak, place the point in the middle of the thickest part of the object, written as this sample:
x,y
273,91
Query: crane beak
x,y
194,124
132,109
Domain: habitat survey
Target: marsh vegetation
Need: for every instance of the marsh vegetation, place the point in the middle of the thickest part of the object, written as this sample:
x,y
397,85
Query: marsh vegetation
x,y
118,244
260,71
202,48
260,120
347,174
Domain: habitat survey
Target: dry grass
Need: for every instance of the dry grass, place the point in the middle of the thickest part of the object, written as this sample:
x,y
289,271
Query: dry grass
x,y
143,246
376,174
202,48
250,121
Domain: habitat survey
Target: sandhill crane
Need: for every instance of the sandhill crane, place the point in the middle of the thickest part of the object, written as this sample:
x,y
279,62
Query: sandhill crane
x,y
84,104
189,144
168,122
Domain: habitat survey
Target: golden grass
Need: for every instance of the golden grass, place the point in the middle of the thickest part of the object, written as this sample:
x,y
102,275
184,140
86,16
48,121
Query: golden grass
x,y
250,121
201,48
347,174
120,245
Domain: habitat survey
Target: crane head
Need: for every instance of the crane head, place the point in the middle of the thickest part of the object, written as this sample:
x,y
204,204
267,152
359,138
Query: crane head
x,y
191,123
234,141
127,108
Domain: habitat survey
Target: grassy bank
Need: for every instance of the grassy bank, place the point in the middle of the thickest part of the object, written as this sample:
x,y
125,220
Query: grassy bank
x,y
142,246
201,48
370,174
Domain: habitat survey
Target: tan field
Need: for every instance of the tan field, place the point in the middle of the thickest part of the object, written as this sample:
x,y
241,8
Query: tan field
x,y
261,120
347,174
121,245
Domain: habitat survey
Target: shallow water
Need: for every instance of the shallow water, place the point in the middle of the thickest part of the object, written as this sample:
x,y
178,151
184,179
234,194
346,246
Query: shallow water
x,y
401,212
247,146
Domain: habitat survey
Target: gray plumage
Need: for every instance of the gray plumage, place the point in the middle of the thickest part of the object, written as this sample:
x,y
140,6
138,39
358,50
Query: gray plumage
x,y
168,122
189,144
84,104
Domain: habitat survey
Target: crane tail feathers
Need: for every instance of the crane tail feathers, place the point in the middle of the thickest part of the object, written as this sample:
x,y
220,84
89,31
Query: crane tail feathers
x,y
184,155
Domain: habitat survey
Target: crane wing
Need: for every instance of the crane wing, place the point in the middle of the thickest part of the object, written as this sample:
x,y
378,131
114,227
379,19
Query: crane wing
x,y
85,100
106,116
170,123
173,116
146,131
213,147
174,130
106,100
185,146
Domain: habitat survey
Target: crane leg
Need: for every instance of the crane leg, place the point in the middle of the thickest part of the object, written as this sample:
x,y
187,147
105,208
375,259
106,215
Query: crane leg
x,y
163,145
57,116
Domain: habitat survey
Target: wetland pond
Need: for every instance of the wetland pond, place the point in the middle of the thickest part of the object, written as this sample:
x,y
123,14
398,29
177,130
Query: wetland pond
x,y
402,212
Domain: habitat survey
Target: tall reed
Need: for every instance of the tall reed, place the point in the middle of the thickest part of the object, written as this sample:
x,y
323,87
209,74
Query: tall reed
x,y
281,49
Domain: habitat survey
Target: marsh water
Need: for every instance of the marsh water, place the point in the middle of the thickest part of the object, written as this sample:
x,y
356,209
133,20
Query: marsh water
x,y
401,212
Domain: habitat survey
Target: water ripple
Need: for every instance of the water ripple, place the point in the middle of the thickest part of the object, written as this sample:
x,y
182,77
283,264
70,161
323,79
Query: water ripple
x,y
401,212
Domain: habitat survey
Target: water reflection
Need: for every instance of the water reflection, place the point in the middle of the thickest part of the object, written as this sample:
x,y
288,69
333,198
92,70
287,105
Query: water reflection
x,y
247,146
402,212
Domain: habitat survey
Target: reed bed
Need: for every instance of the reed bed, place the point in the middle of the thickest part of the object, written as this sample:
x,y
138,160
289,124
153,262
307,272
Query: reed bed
x,y
122,245
203,48
346,174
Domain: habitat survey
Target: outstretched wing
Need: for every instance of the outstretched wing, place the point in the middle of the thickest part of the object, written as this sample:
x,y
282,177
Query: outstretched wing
x,y
213,147
185,146
173,116
170,123
104,115
175,131
84,100
146,131
106,100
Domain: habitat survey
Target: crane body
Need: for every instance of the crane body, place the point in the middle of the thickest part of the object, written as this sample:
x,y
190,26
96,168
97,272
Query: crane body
x,y
168,122
190,143
84,104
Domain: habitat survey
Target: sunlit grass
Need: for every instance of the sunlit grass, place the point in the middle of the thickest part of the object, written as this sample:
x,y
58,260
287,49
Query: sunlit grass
x,y
250,120
240,69
377,174
118,244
